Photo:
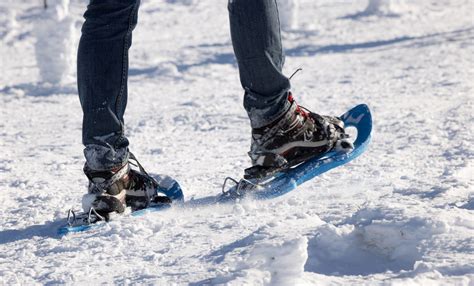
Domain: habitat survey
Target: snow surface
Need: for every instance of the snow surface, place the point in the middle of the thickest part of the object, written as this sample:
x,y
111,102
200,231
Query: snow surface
x,y
402,214
288,11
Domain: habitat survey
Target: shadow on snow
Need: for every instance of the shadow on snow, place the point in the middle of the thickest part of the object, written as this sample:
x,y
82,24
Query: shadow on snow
x,y
412,42
47,230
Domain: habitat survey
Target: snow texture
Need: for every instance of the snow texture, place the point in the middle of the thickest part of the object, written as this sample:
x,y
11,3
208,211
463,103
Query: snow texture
x,y
401,214
288,11
56,40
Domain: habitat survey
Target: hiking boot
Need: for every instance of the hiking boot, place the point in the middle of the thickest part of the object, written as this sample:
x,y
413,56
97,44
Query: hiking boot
x,y
107,190
111,191
296,136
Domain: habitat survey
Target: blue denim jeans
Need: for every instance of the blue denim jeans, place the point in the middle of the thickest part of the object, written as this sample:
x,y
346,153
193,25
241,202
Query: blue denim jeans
x,y
103,71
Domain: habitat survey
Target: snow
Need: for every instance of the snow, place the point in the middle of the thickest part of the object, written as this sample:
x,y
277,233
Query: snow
x,y
56,40
288,11
402,213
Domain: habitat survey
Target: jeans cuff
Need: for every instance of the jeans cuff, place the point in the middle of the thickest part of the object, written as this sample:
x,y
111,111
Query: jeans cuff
x,y
102,158
260,117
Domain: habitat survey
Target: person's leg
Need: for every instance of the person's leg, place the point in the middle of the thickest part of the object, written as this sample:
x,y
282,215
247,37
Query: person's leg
x,y
102,66
255,32
283,133
102,71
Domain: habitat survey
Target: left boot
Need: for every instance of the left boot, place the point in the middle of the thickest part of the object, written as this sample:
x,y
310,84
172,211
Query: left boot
x,y
127,186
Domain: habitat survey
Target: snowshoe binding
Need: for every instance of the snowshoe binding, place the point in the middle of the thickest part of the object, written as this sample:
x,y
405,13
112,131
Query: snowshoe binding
x,y
300,157
112,191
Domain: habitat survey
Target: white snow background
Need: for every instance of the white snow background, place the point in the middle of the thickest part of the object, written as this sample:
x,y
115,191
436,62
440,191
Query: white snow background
x,y
401,214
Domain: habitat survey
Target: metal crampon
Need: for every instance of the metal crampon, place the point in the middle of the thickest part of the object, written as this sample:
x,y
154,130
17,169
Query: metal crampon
x,y
239,190
84,218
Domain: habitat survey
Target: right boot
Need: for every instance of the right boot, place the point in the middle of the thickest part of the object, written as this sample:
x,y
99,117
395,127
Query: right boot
x,y
295,137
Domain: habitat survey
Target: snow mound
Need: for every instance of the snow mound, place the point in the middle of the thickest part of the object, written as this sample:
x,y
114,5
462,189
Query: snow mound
x,y
288,11
378,241
56,43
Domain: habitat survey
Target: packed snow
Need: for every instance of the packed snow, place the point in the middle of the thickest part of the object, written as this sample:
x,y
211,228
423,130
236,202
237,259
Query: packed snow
x,y
402,213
